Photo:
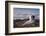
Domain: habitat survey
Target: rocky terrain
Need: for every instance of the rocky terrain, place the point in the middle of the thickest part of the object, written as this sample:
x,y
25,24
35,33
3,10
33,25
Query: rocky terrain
x,y
18,23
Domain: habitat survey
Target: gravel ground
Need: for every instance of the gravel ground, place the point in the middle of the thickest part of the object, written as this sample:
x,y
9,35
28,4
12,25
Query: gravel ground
x,y
18,23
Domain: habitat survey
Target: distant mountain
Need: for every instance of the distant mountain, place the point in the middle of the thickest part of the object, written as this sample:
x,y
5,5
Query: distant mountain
x,y
25,16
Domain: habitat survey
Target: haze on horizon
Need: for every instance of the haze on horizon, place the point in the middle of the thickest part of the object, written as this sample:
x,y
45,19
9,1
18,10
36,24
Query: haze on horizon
x,y
19,12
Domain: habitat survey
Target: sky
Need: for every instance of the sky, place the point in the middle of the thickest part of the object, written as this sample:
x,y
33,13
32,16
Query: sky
x,y
25,11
